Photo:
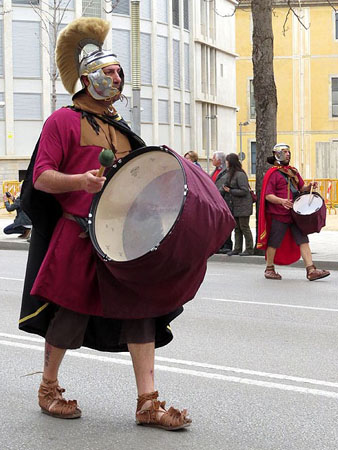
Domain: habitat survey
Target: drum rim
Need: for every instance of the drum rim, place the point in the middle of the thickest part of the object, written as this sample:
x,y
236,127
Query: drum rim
x,y
112,171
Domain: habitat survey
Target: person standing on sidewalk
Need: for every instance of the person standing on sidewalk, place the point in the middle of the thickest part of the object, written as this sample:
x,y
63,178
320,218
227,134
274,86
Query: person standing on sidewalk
x,y
283,241
236,184
218,177
22,224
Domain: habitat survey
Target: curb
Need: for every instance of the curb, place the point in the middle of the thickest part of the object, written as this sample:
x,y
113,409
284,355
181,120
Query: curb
x,y
254,259
330,265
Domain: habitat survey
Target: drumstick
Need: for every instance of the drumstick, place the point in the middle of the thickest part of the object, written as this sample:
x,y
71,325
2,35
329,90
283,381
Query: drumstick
x,y
311,195
106,159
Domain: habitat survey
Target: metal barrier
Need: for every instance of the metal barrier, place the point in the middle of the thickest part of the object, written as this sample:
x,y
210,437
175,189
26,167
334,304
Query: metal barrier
x,y
327,187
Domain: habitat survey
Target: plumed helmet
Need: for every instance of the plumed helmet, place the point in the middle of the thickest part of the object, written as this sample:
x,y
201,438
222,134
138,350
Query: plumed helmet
x,y
74,60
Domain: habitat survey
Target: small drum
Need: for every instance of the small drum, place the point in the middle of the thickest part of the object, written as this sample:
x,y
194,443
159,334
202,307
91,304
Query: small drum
x,y
309,212
154,225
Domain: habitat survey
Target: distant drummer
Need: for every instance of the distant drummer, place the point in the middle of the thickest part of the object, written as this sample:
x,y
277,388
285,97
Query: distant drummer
x,y
283,241
65,302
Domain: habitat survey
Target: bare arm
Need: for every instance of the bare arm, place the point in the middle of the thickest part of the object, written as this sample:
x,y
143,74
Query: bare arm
x,y
55,182
287,204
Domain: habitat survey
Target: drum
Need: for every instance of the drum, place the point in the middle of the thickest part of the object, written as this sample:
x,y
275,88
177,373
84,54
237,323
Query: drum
x,y
154,225
309,212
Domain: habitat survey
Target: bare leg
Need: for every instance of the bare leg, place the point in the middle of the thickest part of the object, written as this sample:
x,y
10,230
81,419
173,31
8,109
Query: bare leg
x,y
270,256
143,357
306,254
53,359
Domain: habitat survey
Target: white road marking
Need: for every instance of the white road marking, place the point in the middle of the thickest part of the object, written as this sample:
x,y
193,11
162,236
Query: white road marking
x,y
201,374
11,279
281,305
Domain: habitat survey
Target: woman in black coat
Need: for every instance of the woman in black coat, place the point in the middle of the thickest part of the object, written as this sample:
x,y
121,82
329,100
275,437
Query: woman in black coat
x,y
236,183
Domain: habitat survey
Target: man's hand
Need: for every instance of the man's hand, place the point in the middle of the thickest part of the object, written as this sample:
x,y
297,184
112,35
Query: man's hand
x,y
226,188
91,183
287,204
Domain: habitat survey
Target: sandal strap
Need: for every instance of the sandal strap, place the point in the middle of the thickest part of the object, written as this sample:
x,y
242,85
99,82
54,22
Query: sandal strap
x,y
51,399
145,397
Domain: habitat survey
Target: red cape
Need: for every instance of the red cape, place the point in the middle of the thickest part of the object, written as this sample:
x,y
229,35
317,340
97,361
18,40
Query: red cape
x,y
288,252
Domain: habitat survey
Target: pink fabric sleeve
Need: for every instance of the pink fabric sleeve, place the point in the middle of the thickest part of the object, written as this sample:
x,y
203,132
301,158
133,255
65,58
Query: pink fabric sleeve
x,y
50,151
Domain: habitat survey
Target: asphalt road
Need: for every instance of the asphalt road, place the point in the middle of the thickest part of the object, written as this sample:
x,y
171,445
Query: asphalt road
x,y
254,361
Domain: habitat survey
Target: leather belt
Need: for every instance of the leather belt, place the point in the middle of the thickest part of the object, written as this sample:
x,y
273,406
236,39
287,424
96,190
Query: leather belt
x,y
69,216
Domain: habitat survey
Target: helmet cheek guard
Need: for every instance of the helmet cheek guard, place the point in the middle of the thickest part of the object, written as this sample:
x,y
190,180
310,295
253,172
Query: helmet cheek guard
x,y
101,86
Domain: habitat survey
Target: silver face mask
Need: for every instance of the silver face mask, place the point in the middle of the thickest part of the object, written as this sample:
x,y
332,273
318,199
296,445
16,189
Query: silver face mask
x,y
101,86
279,153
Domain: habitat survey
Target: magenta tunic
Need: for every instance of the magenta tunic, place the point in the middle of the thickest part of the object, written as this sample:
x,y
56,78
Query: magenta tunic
x,y
67,275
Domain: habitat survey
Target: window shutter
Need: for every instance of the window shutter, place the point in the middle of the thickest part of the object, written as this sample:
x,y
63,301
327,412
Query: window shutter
x,y
186,14
186,67
121,47
162,60
146,58
91,8
123,108
26,50
63,100
2,108
162,11
176,12
176,64
147,113
1,49
163,111
121,7
334,97
27,106
177,113
187,114
145,9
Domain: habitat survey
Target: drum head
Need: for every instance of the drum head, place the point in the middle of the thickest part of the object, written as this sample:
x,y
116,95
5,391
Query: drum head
x,y
307,204
139,205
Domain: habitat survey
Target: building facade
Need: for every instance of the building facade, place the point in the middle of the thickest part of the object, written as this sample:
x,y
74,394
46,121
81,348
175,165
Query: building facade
x,y
306,76
188,86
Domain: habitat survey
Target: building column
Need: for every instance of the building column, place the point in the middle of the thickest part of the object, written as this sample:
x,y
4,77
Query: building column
x,y
8,76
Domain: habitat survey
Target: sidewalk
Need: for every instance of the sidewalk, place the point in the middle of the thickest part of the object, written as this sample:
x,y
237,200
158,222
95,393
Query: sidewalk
x,y
324,245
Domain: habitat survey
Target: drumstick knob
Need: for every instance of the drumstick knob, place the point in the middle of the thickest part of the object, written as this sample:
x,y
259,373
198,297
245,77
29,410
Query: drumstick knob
x,y
106,159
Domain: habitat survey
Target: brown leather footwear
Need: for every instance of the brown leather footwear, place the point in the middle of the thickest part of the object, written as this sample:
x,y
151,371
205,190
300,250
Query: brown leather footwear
x,y
152,415
312,273
271,274
52,403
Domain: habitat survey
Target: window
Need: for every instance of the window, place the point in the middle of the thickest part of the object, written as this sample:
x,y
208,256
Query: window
x,y
121,47
91,8
163,111
27,107
253,158
123,108
177,113
176,64
120,7
25,2
186,14
176,12
63,100
252,101
145,46
52,46
59,5
145,9
2,108
162,11
162,60
1,49
186,67
147,113
336,17
187,114
334,82
26,52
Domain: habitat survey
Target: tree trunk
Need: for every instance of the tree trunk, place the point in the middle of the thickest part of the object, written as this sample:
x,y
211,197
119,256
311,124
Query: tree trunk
x,y
264,88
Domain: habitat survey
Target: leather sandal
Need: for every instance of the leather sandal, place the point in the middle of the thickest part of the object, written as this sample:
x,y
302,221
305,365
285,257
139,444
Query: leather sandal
x,y
52,402
153,415
271,274
312,273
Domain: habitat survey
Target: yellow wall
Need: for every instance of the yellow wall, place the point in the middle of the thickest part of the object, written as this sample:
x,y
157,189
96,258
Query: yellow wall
x,y
304,62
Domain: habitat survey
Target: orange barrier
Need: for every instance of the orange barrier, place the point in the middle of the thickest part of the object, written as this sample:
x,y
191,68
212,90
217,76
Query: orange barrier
x,y
11,186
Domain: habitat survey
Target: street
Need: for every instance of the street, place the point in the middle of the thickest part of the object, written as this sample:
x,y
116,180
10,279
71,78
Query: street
x,y
253,360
